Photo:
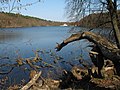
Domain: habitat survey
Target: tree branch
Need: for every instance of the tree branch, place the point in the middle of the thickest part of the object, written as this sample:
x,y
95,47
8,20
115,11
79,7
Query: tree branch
x,y
72,38
108,49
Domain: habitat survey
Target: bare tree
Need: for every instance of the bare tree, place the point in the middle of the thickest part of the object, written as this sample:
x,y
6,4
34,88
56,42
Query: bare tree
x,y
15,5
77,9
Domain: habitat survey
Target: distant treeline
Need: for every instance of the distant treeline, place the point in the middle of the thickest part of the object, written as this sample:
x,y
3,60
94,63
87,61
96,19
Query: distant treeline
x,y
97,20
17,20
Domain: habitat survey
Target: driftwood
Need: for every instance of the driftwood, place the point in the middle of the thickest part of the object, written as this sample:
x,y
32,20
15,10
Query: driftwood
x,y
31,82
107,49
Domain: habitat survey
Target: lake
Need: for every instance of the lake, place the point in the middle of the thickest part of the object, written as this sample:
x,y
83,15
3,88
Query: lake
x,y
24,42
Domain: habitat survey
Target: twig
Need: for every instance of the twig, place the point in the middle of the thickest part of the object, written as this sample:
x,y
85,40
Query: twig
x,y
100,25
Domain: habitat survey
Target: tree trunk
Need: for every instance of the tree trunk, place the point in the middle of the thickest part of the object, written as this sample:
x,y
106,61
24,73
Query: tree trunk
x,y
112,7
108,49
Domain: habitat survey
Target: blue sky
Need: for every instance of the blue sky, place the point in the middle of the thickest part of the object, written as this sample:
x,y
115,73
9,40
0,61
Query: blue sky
x,y
47,9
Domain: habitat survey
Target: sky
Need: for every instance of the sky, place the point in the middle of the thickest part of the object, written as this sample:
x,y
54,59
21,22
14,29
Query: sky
x,y
47,9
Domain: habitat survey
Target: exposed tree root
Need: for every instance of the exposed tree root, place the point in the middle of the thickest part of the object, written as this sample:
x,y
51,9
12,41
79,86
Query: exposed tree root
x,y
104,48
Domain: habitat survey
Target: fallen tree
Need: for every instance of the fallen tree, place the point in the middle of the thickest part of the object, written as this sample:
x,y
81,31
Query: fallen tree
x,y
104,48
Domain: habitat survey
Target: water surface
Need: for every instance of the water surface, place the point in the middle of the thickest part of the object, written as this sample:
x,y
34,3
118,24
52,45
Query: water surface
x,y
23,42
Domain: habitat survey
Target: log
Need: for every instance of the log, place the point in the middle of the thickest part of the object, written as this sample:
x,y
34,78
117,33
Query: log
x,y
31,82
107,49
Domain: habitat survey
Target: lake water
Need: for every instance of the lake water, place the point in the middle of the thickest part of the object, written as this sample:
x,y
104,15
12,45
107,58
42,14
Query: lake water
x,y
23,42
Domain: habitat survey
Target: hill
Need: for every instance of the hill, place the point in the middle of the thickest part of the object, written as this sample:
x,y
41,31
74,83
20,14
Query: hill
x,y
95,20
17,20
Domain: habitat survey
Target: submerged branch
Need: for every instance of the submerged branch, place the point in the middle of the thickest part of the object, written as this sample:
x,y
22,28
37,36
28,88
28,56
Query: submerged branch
x,y
2,73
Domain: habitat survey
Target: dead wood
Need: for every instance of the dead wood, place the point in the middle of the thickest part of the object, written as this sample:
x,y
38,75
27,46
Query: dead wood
x,y
107,49
31,82
97,59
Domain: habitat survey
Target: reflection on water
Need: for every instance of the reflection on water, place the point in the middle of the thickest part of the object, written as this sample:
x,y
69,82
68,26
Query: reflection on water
x,y
6,36
22,42
25,40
